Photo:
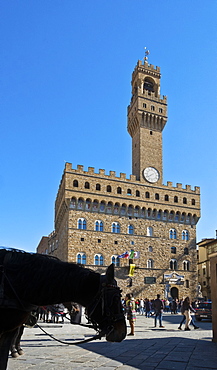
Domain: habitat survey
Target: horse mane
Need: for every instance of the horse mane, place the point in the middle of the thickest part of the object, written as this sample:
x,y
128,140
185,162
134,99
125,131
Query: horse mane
x,y
42,280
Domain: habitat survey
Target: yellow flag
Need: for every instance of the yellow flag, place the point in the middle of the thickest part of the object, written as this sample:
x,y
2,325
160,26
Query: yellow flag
x,y
132,268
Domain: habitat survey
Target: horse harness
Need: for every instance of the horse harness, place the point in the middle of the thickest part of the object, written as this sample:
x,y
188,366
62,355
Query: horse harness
x,y
109,316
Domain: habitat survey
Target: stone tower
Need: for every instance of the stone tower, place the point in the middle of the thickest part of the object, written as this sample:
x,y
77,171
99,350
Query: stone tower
x,y
99,217
147,116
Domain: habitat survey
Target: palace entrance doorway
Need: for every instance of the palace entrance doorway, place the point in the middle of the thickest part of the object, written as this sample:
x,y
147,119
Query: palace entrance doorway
x,y
174,292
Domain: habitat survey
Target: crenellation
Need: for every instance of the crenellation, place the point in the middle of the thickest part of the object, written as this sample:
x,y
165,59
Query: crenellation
x,y
123,175
80,168
132,178
68,166
169,184
91,170
197,189
112,173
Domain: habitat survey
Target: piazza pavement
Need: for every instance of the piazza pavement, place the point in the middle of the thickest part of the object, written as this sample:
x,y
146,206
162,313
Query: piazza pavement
x,y
151,348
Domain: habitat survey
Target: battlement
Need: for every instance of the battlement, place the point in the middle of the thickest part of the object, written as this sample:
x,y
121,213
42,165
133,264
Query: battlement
x,y
123,177
148,66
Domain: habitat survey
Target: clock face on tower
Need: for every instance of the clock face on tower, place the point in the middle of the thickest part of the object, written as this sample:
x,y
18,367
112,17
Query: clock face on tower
x,y
151,174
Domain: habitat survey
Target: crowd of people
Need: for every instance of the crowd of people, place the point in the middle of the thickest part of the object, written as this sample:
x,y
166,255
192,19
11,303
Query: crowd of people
x,y
156,308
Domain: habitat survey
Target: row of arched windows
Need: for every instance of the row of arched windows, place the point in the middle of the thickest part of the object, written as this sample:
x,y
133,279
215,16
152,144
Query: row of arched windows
x,y
173,234
173,264
99,261
132,211
129,192
115,228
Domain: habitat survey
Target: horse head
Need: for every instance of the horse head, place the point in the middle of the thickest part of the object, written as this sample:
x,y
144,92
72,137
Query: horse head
x,y
106,311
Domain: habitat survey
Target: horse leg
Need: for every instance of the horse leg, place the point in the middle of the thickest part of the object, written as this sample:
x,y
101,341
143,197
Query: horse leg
x,y
5,342
13,348
17,344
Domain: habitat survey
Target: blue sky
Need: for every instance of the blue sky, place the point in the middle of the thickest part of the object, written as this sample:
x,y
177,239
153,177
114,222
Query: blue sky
x,y
65,74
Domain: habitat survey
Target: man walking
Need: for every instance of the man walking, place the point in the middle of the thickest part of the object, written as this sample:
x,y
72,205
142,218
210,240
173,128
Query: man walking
x,y
158,310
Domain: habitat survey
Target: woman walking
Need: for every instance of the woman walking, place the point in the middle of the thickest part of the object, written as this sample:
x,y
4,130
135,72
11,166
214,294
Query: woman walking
x,y
186,308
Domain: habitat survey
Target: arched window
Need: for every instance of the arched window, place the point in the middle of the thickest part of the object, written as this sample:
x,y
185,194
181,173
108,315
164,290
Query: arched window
x,y
176,199
173,264
75,183
166,198
98,225
193,202
119,190
87,185
149,212
157,196
82,224
130,229
81,258
123,209
148,85
102,207
98,187
116,208
80,203
150,249
186,265
172,234
147,194
109,189
165,215
150,263
136,211
88,204
73,203
98,260
109,207
116,227
137,193
173,250
177,217
184,200
171,216
130,210
186,251
149,231
116,260
129,192
185,235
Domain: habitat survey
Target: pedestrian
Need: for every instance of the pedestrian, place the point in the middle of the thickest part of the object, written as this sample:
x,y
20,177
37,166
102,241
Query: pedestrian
x,y
147,307
186,308
141,306
131,312
75,313
158,309
173,306
167,305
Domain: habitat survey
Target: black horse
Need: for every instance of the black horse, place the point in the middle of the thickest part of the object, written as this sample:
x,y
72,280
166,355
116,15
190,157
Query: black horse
x,y
28,280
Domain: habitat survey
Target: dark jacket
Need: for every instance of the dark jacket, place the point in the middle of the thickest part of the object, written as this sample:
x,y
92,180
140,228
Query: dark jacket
x,y
158,305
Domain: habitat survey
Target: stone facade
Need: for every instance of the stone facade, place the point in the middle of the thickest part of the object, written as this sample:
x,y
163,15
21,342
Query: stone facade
x,y
99,217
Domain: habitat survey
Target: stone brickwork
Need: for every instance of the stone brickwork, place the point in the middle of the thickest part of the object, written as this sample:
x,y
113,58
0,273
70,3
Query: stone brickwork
x,y
106,215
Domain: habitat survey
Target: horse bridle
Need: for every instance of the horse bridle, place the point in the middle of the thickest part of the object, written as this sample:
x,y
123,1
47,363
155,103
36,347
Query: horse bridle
x,y
109,317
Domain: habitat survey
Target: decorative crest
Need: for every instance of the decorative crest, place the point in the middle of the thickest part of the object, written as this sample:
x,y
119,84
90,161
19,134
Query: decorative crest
x,y
147,52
